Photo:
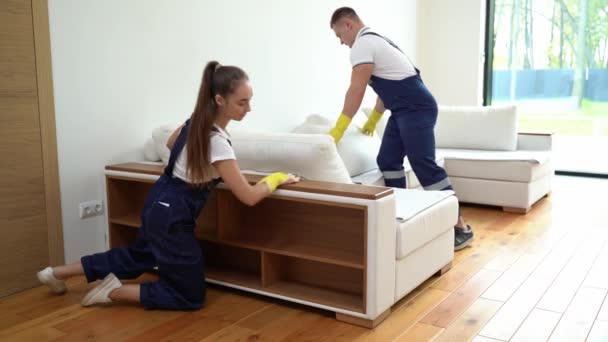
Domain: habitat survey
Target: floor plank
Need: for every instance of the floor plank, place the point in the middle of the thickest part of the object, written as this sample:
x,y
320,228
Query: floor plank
x,y
538,326
598,277
406,316
420,332
599,332
580,315
510,316
513,277
470,322
603,315
460,300
563,289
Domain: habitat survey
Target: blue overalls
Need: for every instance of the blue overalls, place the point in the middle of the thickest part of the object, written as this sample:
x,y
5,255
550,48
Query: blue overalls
x,y
165,240
409,131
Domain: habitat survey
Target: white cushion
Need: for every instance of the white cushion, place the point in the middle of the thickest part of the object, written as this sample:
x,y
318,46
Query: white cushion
x,y
357,150
503,170
422,216
375,177
150,152
312,156
160,135
536,157
480,128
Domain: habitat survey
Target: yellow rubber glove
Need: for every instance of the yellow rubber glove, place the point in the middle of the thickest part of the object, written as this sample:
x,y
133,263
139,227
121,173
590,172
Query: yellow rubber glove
x,y
341,125
370,126
274,180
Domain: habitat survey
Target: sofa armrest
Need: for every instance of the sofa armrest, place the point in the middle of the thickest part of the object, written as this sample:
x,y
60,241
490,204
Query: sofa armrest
x,y
534,141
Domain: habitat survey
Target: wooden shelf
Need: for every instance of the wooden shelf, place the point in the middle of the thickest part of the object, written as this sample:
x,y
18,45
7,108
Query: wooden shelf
x,y
320,282
300,250
328,188
300,291
277,245
131,220
303,249
338,299
122,235
236,277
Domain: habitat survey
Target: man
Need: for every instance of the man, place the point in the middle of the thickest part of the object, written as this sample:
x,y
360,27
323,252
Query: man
x,y
410,128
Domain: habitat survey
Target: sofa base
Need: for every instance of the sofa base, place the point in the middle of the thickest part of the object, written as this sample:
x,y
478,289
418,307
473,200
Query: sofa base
x,y
362,322
513,196
444,270
516,210
435,257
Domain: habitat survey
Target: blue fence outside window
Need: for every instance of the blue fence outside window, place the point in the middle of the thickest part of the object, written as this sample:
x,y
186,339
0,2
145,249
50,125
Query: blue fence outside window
x,y
548,83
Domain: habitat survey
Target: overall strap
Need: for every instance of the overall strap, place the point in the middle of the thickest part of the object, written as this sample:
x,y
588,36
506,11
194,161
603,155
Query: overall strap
x,y
178,146
215,129
391,44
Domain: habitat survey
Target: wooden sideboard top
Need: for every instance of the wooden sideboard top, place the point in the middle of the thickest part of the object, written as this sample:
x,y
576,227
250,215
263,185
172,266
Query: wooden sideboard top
x,y
327,188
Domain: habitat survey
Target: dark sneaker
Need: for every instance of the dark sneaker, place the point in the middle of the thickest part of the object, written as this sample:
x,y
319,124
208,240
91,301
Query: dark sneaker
x,y
462,239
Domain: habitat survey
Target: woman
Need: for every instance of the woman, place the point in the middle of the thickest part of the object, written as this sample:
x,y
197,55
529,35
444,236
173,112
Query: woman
x,y
201,153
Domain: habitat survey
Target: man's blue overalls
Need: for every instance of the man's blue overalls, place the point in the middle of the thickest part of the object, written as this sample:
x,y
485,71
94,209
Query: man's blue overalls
x,y
409,131
165,240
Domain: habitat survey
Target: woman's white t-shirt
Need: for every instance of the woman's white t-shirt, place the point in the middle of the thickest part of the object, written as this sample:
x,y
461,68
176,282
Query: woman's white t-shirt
x,y
219,149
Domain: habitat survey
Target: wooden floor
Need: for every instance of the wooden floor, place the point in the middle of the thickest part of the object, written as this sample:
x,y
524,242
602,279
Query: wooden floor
x,y
535,277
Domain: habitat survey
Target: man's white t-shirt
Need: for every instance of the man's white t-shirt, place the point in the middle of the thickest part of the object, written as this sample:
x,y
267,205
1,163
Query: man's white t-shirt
x,y
389,63
219,149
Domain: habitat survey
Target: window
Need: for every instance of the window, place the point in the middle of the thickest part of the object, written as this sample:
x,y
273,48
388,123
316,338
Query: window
x,y
550,57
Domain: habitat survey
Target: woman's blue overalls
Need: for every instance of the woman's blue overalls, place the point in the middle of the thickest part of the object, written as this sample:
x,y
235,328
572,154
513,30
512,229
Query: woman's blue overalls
x,y
165,240
409,131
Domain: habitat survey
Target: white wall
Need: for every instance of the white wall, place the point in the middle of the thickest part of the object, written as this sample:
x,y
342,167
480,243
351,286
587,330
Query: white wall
x,y
450,49
121,68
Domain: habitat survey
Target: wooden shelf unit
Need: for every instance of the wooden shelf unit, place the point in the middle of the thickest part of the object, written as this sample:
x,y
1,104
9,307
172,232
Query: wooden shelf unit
x,y
310,250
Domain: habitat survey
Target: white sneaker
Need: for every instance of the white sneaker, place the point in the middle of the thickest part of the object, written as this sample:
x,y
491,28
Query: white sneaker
x,y
47,278
101,292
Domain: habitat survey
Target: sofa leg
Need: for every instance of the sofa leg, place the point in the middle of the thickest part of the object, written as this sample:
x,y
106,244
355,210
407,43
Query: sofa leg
x,y
515,210
444,269
362,322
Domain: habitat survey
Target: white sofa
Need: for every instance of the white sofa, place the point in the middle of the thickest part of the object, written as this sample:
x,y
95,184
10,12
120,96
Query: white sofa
x,y
410,240
410,234
486,159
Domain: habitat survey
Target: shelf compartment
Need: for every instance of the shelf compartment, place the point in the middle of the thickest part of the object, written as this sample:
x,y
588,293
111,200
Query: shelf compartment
x,y
281,246
122,235
234,265
317,282
128,198
132,220
309,229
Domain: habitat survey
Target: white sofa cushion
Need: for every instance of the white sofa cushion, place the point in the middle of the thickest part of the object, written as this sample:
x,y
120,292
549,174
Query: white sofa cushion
x,y
503,170
150,153
536,157
471,127
312,156
479,128
160,135
358,151
421,217
375,177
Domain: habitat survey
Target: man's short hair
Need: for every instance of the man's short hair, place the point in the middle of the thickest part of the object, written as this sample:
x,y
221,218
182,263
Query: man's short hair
x,y
343,12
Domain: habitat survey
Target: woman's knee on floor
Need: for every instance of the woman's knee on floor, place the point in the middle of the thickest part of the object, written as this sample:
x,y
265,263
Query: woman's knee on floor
x,y
164,296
